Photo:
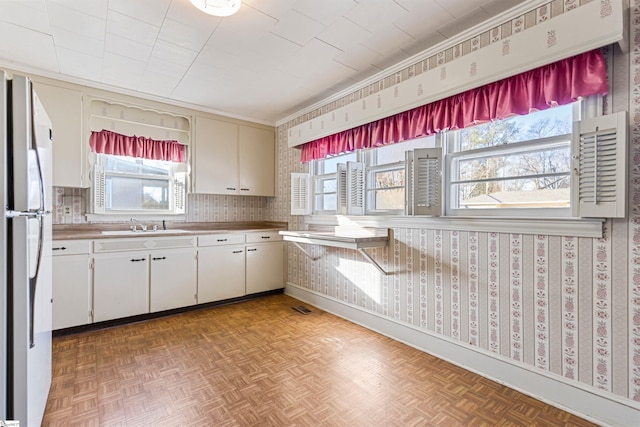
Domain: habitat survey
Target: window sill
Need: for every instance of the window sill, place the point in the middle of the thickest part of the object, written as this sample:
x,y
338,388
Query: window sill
x,y
583,227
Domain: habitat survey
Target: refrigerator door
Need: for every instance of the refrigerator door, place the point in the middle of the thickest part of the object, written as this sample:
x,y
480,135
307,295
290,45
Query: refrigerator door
x,y
31,255
4,283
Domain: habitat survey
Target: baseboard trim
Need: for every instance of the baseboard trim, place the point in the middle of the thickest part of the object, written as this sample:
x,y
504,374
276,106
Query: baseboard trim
x,y
594,407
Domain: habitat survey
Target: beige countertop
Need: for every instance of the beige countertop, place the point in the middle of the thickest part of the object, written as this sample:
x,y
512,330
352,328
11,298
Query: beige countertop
x,y
94,231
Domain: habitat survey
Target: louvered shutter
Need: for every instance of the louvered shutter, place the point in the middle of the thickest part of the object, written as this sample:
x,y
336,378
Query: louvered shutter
x,y
341,188
98,193
179,193
300,199
423,177
599,149
355,188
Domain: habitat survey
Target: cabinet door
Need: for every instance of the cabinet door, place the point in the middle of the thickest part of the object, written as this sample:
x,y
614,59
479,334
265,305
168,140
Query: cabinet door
x,y
173,279
216,157
257,159
220,273
120,285
64,108
265,267
71,291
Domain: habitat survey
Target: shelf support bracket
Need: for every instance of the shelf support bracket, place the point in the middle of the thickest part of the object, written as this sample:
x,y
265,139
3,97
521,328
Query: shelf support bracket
x,y
373,262
304,251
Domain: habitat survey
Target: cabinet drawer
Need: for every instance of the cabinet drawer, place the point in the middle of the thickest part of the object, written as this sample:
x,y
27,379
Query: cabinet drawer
x,y
116,245
221,239
70,247
172,242
264,236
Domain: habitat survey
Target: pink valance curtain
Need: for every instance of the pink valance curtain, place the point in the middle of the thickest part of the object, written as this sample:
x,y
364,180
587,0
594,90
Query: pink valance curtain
x,y
559,83
107,142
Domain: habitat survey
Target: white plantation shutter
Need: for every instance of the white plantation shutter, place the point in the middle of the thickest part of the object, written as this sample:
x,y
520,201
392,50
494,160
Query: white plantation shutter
x,y
355,188
300,199
423,177
341,189
600,167
179,193
98,193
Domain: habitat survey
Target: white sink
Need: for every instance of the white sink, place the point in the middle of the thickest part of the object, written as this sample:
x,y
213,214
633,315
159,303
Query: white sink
x,y
138,232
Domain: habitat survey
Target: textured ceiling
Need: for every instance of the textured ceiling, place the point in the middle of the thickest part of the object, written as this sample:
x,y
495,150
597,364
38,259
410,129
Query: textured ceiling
x,y
271,59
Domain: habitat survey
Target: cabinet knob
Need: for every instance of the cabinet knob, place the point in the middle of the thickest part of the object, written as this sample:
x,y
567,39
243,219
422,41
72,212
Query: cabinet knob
x,y
265,237
221,240
138,259
159,258
231,188
244,189
236,252
59,249
251,250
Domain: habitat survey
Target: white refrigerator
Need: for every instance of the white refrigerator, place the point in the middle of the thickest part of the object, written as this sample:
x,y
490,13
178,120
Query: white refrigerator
x,y
25,263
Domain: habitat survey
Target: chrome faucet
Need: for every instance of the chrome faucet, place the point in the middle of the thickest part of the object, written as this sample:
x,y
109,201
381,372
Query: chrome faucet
x,y
142,226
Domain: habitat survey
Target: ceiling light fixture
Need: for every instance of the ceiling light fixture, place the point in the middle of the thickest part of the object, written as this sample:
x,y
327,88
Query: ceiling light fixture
x,y
217,7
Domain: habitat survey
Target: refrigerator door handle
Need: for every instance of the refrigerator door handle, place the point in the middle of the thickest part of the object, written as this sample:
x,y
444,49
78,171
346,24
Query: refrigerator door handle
x,y
28,214
33,281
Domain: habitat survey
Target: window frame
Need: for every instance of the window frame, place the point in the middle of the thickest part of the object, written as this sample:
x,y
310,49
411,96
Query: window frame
x,y
371,191
450,194
176,179
318,174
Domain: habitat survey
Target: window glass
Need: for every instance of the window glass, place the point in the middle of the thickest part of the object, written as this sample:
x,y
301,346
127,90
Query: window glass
x,y
330,164
520,162
385,175
540,124
388,189
396,152
135,185
125,193
133,165
325,192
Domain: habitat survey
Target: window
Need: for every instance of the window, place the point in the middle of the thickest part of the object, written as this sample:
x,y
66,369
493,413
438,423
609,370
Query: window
x,y
385,175
128,185
547,164
325,183
512,166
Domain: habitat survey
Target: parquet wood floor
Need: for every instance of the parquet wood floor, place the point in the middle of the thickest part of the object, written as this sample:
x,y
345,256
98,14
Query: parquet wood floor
x,y
260,363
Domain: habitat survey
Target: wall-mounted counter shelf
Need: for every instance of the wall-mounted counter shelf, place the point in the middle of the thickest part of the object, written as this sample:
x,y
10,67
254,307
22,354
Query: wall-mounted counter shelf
x,y
358,240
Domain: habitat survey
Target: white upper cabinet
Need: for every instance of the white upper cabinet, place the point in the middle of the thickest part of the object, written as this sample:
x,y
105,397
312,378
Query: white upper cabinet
x,y
257,153
64,107
233,159
215,158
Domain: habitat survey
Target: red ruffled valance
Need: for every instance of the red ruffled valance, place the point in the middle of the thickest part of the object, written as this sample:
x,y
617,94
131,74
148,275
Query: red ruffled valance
x,y
559,83
107,142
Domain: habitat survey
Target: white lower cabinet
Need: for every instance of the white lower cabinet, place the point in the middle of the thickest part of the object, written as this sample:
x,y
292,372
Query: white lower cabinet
x,y
173,279
72,296
220,273
137,276
133,276
264,267
120,285
237,264
265,262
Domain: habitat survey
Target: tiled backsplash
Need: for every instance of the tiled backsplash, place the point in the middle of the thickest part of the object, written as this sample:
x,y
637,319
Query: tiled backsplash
x,y
70,207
